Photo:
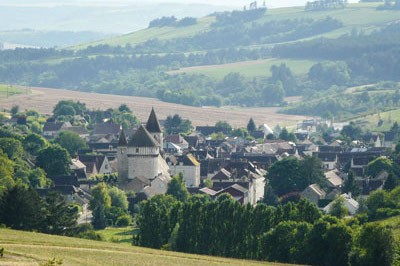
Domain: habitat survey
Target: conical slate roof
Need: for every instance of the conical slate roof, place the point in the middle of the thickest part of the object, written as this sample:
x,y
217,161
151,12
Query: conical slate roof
x,y
153,125
122,139
142,138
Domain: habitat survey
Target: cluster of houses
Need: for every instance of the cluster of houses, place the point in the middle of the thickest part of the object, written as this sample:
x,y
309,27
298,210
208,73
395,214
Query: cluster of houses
x,y
145,161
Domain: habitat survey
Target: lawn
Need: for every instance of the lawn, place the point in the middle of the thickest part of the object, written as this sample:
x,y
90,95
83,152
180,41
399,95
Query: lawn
x,y
25,248
250,69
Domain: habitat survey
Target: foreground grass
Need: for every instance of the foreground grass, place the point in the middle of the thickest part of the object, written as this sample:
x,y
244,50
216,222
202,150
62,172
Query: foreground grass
x,y
26,248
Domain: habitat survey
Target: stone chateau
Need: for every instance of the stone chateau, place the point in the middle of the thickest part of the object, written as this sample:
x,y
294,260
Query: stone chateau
x,y
141,166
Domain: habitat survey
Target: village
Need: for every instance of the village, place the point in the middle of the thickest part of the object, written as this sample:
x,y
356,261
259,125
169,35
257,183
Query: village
x,y
143,160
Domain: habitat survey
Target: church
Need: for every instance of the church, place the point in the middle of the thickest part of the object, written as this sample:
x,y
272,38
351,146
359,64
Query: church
x,y
141,167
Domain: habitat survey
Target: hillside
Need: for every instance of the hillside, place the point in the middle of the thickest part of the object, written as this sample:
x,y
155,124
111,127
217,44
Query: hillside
x,y
362,17
250,58
25,248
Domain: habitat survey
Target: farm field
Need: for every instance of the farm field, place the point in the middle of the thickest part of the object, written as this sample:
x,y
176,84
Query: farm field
x,y
26,248
7,91
43,100
117,234
250,69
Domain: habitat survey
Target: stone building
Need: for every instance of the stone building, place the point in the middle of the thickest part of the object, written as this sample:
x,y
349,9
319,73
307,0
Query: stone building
x,y
141,168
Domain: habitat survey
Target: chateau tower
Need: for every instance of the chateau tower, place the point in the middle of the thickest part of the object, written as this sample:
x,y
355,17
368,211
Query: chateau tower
x,y
154,128
141,168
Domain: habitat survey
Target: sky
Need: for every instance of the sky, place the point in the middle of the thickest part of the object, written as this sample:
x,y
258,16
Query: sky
x,y
231,3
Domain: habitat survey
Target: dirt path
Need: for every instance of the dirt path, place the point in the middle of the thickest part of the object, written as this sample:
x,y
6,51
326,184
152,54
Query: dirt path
x,y
44,99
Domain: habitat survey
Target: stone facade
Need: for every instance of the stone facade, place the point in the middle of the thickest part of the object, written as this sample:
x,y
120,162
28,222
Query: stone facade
x,y
141,167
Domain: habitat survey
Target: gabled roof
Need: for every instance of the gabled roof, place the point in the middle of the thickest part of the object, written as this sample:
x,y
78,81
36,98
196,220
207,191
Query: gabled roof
x,y
54,126
142,138
122,139
106,128
153,125
223,174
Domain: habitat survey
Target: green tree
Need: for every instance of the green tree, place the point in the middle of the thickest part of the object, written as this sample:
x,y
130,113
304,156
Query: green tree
x,y
390,183
11,147
177,188
351,131
251,126
70,141
54,160
338,209
23,209
378,165
33,143
6,173
60,215
118,198
14,110
223,126
375,245
69,108
99,204
176,124
350,185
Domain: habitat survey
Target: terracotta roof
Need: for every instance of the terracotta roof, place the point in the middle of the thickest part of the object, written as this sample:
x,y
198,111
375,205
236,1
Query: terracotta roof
x,y
153,125
142,138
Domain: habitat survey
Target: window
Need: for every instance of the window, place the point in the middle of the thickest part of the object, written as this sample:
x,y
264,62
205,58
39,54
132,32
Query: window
x,y
137,150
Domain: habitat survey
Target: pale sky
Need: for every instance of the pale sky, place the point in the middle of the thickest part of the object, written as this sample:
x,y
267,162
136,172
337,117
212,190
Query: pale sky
x,y
236,3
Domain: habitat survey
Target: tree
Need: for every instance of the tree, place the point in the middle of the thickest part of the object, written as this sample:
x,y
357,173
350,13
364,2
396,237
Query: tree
x,y
177,188
378,165
118,198
251,126
351,131
33,143
69,108
70,141
175,125
350,185
375,245
100,202
390,183
54,160
6,173
285,135
23,209
11,147
338,209
223,127
123,108
60,216
14,110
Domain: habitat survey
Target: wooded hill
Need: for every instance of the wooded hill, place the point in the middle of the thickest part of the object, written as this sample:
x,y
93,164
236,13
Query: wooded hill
x,y
248,58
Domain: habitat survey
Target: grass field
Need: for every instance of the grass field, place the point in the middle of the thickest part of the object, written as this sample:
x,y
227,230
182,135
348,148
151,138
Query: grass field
x,y
121,235
7,91
250,69
25,248
363,17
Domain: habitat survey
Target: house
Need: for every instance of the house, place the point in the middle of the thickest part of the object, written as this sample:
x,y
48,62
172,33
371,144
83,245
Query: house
x,y
189,167
177,140
389,139
51,129
351,204
266,129
329,160
333,179
104,129
372,139
313,193
78,168
79,130
99,161
238,192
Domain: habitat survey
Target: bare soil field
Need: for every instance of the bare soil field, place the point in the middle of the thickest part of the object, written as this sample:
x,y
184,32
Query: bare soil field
x,y
44,99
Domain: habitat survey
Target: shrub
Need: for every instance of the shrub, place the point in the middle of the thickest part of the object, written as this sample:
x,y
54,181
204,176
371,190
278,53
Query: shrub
x,y
123,220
